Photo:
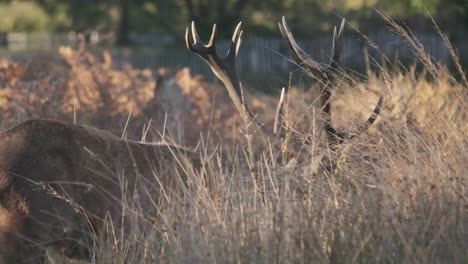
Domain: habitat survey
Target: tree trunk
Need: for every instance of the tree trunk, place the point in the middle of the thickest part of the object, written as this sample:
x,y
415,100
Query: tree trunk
x,y
123,29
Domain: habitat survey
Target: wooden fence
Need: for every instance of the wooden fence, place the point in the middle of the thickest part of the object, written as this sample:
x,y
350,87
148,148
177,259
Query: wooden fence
x,y
258,56
261,56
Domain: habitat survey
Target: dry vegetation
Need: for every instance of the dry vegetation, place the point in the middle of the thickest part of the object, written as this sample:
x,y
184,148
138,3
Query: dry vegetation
x,y
397,194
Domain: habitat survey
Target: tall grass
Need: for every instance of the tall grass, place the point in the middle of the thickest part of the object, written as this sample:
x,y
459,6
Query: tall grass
x,y
396,194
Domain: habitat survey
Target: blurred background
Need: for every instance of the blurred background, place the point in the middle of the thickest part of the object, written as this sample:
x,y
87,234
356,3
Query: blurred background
x,y
122,66
149,33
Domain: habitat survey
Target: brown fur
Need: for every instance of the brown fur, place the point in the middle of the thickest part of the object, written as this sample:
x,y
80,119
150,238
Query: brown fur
x,y
57,180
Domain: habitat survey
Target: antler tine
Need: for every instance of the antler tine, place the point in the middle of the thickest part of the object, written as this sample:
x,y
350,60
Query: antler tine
x,y
376,111
239,41
195,35
212,41
301,57
343,21
236,41
279,116
188,42
336,45
361,129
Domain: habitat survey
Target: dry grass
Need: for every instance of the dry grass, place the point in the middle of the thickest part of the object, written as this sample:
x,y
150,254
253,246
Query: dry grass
x,y
394,195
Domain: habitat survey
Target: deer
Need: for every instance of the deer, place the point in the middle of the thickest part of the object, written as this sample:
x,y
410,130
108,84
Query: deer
x,y
225,69
59,183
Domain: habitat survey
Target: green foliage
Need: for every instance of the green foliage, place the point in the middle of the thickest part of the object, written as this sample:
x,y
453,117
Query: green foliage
x,y
172,16
13,18
78,14
411,7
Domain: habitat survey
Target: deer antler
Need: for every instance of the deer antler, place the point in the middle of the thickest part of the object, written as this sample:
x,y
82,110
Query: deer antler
x,y
225,70
327,77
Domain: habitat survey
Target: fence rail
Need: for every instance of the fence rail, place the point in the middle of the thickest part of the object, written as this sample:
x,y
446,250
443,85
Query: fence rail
x,y
259,55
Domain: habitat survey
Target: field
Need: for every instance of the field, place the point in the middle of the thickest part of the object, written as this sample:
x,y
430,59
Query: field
x,y
396,194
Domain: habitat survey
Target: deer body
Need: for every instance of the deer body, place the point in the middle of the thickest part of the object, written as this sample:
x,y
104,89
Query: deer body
x,y
57,180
